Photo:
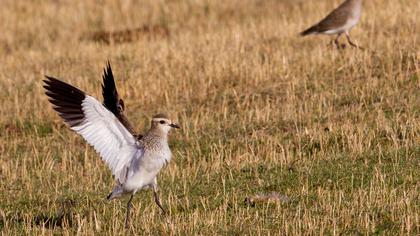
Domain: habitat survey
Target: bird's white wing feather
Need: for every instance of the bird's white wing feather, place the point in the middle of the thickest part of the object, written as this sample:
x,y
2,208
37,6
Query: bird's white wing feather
x,y
108,136
97,125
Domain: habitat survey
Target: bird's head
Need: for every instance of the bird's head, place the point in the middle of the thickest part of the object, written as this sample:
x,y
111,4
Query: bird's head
x,y
162,123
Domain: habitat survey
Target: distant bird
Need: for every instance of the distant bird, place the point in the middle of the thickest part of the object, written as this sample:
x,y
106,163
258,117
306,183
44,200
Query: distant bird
x,y
134,161
340,20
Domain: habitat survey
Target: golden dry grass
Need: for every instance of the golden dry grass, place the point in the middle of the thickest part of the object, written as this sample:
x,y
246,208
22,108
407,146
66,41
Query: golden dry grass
x,y
262,110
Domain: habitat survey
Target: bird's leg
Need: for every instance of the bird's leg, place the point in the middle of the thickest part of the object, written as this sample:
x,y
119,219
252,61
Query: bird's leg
x,y
350,42
127,216
336,42
157,200
331,43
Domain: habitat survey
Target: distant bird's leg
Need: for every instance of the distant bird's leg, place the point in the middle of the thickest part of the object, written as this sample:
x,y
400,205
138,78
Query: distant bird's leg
x,y
331,43
157,200
127,216
350,42
336,42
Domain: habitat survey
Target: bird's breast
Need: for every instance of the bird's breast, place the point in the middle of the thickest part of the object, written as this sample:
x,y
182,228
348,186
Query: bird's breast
x,y
156,160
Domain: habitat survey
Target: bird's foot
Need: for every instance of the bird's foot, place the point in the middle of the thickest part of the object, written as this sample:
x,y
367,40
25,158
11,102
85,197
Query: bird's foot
x,y
340,46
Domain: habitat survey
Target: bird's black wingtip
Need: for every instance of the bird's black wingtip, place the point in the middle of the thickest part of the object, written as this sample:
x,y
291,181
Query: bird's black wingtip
x,y
309,31
108,67
304,33
48,78
108,75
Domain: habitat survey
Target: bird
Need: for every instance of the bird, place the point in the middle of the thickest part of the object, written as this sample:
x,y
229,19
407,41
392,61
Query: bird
x,y
135,160
341,20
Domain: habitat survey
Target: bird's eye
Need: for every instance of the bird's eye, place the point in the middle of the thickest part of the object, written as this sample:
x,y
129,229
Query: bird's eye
x,y
162,122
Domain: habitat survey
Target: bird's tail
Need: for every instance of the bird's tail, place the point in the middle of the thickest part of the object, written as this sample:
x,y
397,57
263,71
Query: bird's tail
x,y
116,192
311,30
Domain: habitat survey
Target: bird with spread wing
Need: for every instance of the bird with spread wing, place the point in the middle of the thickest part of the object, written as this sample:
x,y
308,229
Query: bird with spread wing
x,y
135,160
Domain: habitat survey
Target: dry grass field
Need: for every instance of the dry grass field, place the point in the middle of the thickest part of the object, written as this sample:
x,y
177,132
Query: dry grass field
x,y
336,133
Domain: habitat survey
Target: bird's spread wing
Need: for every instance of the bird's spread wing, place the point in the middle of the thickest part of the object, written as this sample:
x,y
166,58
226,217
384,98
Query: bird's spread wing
x,y
112,101
97,125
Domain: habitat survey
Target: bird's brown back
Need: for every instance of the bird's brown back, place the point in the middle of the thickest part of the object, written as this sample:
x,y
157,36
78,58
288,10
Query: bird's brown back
x,y
337,18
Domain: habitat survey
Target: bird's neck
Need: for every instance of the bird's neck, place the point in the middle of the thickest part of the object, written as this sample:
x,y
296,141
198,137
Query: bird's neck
x,y
157,134
155,140
355,2
357,6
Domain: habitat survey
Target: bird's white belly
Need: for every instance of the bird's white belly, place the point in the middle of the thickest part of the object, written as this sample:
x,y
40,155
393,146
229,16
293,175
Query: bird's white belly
x,y
141,179
145,175
334,31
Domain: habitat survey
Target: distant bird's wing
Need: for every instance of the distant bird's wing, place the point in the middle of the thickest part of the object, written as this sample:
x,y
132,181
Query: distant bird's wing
x,y
335,19
85,115
112,101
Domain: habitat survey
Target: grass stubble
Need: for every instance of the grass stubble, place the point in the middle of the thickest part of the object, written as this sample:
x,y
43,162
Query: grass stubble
x,y
334,132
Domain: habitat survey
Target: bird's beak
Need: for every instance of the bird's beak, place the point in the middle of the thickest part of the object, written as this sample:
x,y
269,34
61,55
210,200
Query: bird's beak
x,y
176,126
